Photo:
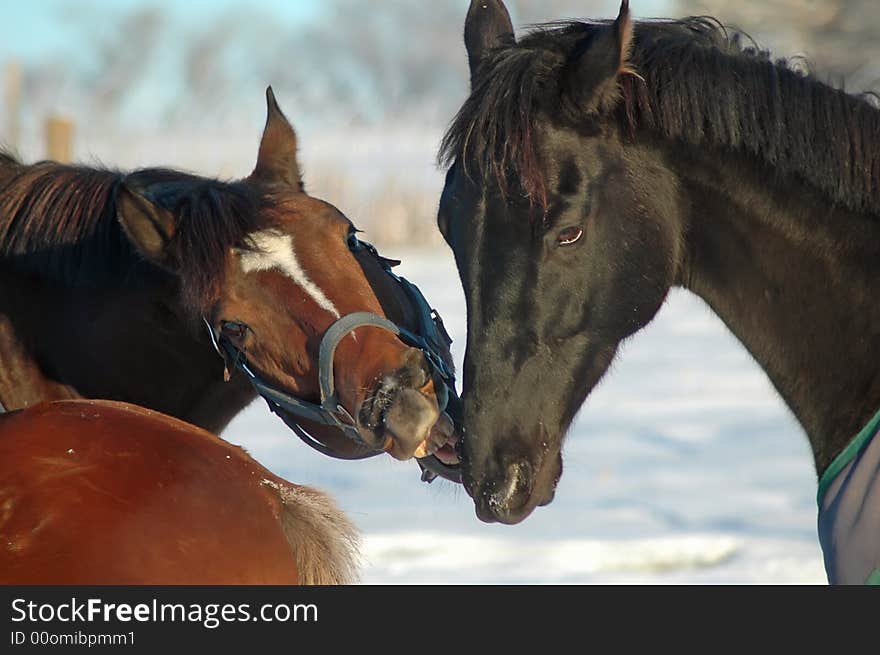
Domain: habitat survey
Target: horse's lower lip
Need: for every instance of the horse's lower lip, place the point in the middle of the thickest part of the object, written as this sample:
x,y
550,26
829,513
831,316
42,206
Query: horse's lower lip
x,y
505,518
440,442
448,456
549,499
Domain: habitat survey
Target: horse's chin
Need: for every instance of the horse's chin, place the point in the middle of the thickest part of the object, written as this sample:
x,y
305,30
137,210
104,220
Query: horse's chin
x,y
448,455
441,442
440,454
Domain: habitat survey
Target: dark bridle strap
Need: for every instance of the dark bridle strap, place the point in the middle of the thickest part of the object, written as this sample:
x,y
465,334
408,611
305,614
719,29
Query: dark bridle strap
x,y
431,339
314,444
336,333
278,400
330,411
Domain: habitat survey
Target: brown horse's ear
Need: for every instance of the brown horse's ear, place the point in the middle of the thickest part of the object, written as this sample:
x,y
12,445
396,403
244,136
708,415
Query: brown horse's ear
x,y
590,78
276,162
487,26
148,225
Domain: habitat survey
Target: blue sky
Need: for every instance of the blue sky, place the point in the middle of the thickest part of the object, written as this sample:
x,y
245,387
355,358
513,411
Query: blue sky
x,y
30,27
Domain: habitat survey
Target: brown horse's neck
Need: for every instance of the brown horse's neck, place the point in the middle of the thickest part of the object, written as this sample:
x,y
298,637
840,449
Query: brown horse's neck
x,y
797,281
126,345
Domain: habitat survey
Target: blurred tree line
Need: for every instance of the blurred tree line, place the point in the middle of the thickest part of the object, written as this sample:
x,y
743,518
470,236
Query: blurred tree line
x,y
148,85
367,62
839,39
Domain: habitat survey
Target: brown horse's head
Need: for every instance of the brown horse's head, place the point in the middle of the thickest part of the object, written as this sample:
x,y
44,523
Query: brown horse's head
x,y
293,269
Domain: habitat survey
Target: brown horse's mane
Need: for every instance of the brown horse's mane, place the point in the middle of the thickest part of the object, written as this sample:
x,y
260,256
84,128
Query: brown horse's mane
x,y
60,222
703,85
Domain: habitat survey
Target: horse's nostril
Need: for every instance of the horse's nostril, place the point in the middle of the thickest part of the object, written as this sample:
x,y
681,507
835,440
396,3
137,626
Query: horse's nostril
x,y
414,372
505,498
519,484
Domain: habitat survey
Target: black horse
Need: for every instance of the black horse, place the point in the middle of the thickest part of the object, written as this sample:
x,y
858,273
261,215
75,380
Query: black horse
x,y
595,166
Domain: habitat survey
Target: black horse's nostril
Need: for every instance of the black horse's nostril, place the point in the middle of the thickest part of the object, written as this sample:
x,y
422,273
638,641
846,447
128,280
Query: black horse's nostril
x,y
506,498
516,487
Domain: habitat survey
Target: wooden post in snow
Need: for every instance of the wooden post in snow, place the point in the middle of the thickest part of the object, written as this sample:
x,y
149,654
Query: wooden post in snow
x,y
12,104
59,139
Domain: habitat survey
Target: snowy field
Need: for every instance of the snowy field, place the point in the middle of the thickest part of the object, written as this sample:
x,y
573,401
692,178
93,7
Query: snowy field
x,y
683,467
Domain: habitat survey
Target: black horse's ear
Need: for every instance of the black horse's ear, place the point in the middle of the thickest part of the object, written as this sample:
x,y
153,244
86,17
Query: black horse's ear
x,y
277,162
487,26
590,78
146,221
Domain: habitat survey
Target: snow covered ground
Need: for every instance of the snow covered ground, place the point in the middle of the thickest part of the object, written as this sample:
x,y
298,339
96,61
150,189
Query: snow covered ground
x,y
683,467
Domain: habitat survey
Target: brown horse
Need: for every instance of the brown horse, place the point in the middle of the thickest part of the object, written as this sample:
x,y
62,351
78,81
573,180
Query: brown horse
x,y
107,280
100,492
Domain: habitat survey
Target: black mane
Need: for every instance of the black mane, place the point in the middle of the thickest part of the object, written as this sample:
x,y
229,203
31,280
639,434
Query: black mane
x,y
60,222
703,85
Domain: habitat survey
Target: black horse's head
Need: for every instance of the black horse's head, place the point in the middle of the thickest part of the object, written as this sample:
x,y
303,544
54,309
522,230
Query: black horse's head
x,y
565,239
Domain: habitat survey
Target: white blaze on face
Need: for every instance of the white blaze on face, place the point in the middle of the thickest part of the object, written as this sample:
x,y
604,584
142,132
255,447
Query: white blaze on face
x,y
275,250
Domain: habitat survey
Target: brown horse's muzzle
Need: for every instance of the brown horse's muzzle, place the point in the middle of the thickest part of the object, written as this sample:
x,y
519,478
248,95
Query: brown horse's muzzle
x,y
403,411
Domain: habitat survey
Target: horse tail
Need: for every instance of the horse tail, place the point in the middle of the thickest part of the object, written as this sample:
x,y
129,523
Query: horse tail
x,y
325,543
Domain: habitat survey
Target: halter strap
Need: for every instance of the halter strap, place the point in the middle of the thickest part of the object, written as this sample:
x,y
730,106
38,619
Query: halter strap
x,y
431,338
336,333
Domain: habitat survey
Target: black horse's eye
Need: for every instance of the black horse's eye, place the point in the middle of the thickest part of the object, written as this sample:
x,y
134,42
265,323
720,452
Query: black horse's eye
x,y
354,243
569,236
234,329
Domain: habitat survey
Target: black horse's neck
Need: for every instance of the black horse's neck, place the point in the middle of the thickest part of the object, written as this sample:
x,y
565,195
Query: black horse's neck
x,y
796,279
129,345
783,219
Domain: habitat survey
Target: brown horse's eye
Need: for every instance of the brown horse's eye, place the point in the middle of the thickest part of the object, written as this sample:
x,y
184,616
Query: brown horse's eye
x,y
234,329
569,236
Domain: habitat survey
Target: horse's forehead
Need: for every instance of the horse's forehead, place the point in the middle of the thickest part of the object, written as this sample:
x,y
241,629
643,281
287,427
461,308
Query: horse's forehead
x,y
276,251
270,245
558,144
305,213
